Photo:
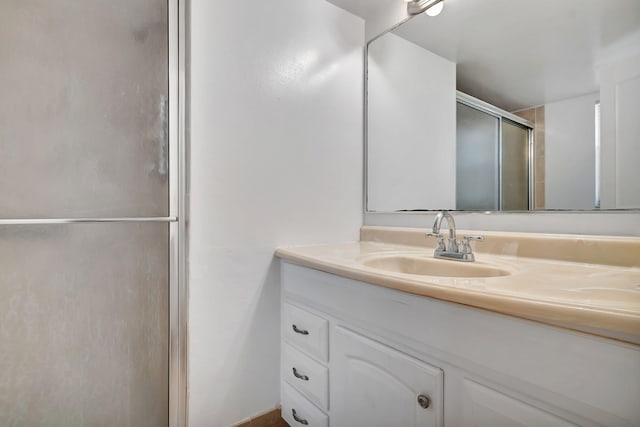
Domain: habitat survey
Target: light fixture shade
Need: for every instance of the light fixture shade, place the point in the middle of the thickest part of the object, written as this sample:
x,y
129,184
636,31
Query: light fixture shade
x,y
435,9
416,7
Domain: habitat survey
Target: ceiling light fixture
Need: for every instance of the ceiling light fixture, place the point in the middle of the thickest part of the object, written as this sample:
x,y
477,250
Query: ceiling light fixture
x,y
435,9
430,7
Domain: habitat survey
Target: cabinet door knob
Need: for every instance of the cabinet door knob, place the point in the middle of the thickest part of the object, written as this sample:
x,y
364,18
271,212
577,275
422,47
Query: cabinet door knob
x,y
298,419
299,375
424,401
299,331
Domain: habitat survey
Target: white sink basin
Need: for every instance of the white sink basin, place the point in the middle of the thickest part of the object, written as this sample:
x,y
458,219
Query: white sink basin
x,y
429,266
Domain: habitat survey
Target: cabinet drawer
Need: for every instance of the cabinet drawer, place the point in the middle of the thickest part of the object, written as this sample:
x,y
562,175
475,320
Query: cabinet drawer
x,y
298,411
308,376
306,331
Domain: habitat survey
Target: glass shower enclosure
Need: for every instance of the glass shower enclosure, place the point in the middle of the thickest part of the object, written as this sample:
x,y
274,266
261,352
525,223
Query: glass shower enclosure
x,y
493,160
88,213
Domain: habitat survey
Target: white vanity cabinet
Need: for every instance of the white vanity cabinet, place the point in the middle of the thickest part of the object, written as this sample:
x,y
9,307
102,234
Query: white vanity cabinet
x,y
485,407
376,357
374,385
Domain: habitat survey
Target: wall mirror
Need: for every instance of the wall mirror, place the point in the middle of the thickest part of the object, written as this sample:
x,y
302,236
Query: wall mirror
x,y
502,105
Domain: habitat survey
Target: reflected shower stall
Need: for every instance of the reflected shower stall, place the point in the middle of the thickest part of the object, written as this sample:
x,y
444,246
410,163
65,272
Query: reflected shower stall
x,y
88,213
493,159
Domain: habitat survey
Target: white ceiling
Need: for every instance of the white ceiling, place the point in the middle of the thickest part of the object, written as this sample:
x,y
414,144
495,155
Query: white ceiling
x,y
523,53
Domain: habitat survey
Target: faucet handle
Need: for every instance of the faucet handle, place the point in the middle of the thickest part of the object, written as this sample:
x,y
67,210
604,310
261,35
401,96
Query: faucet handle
x,y
440,246
466,246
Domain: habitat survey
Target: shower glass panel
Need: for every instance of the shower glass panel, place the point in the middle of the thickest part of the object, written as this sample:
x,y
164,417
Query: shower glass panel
x,y
478,136
515,167
83,325
83,113
84,307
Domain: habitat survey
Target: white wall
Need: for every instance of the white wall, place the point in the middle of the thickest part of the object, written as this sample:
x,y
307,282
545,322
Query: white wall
x,y
380,15
620,112
628,144
386,16
276,159
570,153
412,127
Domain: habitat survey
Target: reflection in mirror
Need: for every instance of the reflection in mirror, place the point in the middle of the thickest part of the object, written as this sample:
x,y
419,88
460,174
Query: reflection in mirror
x,y
493,164
503,105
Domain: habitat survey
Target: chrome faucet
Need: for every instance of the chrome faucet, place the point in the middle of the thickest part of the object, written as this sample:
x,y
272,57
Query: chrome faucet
x,y
453,249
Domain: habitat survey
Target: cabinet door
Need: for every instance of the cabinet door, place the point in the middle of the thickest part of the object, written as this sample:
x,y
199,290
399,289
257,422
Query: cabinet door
x,y
484,407
376,386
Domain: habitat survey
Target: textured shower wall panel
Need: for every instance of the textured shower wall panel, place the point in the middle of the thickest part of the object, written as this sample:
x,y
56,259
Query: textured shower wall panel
x,y
83,108
83,325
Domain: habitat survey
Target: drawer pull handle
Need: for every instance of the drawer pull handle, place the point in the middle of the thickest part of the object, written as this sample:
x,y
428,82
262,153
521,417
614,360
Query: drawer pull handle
x,y
297,375
424,401
299,331
298,419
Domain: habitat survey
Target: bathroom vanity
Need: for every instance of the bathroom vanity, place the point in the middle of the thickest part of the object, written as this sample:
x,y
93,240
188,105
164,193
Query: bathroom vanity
x,y
548,336
541,330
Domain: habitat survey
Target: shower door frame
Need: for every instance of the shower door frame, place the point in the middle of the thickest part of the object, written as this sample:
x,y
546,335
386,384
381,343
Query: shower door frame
x,y
176,219
178,164
502,116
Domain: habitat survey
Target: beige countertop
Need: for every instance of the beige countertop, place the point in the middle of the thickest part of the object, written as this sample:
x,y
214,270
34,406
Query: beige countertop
x,y
600,299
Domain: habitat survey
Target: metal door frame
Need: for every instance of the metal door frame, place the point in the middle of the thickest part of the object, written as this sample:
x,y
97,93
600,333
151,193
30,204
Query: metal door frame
x,y
178,184
176,220
502,116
